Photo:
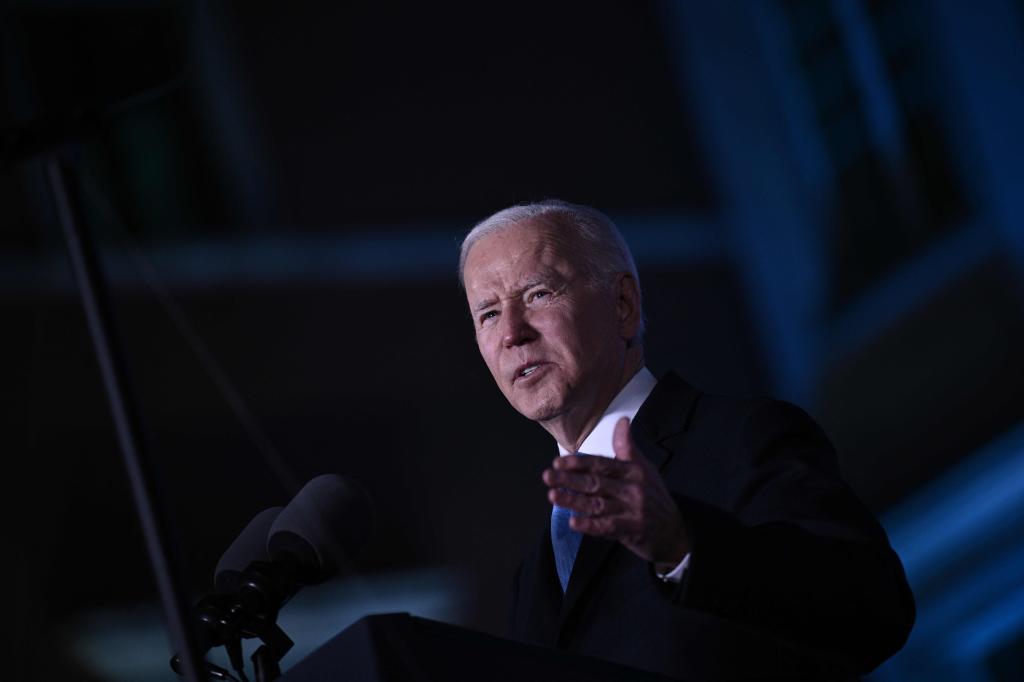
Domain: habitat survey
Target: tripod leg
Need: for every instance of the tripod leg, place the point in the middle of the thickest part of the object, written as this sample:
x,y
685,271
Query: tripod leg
x,y
265,664
99,316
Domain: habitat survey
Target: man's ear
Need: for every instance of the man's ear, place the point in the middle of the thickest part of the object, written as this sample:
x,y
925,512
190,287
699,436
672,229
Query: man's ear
x,y
627,305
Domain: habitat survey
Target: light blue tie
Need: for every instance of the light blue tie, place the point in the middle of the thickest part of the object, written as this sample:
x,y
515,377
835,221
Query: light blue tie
x,y
565,542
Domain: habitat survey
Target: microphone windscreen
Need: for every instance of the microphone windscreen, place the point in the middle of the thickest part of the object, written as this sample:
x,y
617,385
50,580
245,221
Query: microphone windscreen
x,y
323,527
249,546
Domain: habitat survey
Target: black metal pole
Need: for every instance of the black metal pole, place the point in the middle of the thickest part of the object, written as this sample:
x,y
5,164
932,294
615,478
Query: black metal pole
x,y
95,303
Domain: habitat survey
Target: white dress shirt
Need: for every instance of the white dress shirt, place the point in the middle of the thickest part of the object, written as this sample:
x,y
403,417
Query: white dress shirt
x,y
599,441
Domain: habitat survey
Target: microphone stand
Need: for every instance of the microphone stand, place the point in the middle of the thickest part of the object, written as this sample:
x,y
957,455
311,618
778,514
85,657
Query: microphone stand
x,y
98,314
225,619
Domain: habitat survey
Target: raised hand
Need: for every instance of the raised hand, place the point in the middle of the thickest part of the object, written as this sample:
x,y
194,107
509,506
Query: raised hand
x,y
622,499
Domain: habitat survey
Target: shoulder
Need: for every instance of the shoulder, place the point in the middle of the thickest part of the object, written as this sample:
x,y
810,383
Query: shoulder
x,y
756,427
673,395
756,416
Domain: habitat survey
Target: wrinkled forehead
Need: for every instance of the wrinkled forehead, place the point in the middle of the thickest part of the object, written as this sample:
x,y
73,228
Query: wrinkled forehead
x,y
520,252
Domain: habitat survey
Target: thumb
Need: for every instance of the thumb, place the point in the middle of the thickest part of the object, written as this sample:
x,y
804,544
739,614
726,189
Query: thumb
x,y
622,442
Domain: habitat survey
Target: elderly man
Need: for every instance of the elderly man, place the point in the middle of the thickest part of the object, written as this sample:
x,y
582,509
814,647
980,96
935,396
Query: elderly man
x,y
693,535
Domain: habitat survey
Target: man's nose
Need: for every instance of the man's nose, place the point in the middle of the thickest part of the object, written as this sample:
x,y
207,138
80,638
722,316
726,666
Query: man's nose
x,y
517,328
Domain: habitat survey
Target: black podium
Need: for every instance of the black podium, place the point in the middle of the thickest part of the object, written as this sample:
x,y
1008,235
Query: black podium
x,y
397,647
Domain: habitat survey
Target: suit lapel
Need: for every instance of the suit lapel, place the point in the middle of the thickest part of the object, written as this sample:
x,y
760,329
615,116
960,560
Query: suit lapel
x,y
590,557
665,413
537,617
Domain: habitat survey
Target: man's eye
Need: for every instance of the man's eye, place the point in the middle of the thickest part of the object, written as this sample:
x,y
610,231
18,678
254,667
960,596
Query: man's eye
x,y
488,315
543,293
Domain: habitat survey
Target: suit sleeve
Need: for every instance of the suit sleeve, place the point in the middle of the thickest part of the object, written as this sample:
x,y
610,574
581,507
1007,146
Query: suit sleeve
x,y
797,554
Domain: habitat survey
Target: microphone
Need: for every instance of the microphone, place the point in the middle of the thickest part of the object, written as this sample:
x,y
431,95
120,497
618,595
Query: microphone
x,y
310,541
280,551
322,528
249,546
217,617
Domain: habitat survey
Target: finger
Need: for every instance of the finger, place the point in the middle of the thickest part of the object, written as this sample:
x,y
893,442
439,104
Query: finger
x,y
601,526
622,442
585,482
602,466
590,505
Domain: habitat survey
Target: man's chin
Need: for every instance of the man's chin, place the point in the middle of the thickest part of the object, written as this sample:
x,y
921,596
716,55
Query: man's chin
x,y
539,411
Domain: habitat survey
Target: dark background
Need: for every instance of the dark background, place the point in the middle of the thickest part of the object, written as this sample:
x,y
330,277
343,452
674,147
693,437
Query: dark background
x,y
825,200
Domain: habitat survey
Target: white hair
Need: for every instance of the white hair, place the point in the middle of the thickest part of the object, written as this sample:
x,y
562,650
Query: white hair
x,y
604,252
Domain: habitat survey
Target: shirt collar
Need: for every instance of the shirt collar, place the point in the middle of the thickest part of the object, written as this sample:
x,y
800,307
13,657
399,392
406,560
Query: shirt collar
x,y
626,404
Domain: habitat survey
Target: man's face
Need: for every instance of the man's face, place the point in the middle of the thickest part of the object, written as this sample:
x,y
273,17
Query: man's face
x,y
551,339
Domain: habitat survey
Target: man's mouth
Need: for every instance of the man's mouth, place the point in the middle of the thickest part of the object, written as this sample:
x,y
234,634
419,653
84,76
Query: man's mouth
x,y
526,370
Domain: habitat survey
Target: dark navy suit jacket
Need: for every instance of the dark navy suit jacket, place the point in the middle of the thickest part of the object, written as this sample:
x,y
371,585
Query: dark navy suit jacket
x,y
789,576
